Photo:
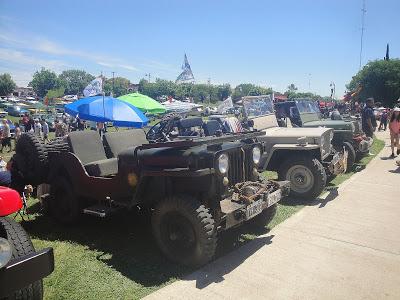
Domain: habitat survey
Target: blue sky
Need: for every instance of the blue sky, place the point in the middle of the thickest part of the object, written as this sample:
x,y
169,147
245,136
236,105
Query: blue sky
x,y
270,43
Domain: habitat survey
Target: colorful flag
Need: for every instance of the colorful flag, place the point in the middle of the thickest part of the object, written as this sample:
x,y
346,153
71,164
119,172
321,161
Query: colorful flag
x,y
187,75
95,87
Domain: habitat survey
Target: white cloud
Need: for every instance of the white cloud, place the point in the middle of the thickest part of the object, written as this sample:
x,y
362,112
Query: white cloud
x,y
18,57
44,45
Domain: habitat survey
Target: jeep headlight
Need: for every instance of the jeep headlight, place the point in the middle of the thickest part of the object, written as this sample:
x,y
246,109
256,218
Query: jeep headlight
x,y
223,163
256,155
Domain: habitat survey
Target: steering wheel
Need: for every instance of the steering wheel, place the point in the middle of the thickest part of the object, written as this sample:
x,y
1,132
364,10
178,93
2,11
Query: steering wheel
x,y
160,132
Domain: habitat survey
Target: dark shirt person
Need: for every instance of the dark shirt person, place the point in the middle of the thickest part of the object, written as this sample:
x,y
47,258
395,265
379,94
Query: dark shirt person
x,y
368,118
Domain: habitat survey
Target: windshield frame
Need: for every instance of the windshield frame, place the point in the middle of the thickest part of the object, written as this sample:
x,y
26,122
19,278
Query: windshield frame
x,y
256,102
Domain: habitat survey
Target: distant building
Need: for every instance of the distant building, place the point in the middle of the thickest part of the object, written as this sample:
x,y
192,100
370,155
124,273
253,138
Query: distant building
x,y
24,92
133,87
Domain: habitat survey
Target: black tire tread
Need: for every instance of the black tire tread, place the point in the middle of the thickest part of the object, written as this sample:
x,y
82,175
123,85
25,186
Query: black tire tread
x,y
22,246
189,206
33,159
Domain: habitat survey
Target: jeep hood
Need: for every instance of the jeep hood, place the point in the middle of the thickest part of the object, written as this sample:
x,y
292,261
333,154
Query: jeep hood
x,y
278,135
335,124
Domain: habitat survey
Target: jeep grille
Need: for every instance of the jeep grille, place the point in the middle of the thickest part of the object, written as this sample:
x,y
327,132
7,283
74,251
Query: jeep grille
x,y
239,170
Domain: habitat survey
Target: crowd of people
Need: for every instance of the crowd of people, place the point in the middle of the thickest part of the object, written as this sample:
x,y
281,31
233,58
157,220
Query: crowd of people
x,y
369,124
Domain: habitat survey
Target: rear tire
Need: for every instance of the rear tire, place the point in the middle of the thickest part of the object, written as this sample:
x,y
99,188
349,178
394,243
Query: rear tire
x,y
307,176
22,245
64,204
184,230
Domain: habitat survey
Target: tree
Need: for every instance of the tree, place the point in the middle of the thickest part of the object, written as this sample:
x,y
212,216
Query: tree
x,y
291,88
379,79
55,93
43,81
118,86
248,89
75,81
7,85
223,91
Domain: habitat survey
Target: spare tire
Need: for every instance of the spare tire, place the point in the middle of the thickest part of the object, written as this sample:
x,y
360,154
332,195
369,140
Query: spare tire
x,y
32,158
59,145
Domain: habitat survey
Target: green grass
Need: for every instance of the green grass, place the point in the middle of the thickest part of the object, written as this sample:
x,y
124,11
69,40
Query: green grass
x,y
117,258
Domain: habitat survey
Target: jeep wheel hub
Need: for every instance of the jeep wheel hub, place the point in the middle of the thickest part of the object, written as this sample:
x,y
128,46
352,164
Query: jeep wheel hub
x,y
301,178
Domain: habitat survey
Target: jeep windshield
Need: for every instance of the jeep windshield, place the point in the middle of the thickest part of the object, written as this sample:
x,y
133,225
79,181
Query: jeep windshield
x,y
307,106
258,106
260,109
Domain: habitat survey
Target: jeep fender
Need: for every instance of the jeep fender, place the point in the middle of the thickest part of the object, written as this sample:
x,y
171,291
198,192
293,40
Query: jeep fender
x,y
267,162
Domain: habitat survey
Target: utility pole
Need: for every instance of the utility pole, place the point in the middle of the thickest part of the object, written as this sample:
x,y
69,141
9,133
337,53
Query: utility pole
x,y
363,11
309,82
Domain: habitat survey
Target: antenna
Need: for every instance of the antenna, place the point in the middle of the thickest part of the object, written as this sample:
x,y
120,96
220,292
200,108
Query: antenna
x,y
363,11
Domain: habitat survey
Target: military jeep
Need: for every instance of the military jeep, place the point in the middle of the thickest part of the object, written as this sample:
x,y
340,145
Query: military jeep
x,y
194,186
304,156
347,133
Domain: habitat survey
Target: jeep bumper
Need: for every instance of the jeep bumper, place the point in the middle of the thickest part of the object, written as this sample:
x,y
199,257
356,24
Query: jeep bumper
x,y
23,271
236,212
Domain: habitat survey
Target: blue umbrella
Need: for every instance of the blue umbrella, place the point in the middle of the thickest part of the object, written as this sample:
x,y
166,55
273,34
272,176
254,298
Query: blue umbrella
x,y
107,109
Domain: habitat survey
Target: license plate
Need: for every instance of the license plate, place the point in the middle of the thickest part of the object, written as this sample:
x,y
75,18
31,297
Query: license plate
x,y
254,209
274,197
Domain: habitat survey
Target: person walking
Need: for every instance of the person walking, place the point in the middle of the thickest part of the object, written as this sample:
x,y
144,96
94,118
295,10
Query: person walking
x,y
25,122
45,130
384,118
17,135
37,128
368,118
394,127
6,136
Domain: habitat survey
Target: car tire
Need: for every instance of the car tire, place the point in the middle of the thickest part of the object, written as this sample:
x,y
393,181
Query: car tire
x,y
22,245
184,230
264,218
63,203
32,162
307,176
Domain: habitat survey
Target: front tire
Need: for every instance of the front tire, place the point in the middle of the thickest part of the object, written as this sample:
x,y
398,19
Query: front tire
x,y
307,176
184,230
22,246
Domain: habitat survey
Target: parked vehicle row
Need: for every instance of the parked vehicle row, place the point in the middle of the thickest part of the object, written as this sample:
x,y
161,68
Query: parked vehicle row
x,y
197,177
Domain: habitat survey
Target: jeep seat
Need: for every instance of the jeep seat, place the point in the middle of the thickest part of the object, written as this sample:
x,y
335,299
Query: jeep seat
x,y
117,142
87,146
211,127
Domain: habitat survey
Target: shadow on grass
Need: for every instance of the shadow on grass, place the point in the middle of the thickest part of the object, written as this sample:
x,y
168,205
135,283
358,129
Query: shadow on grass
x,y
128,238
322,201
214,272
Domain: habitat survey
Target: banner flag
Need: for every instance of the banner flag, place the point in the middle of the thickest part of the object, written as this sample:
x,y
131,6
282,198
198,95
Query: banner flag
x,y
187,74
94,88
225,105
